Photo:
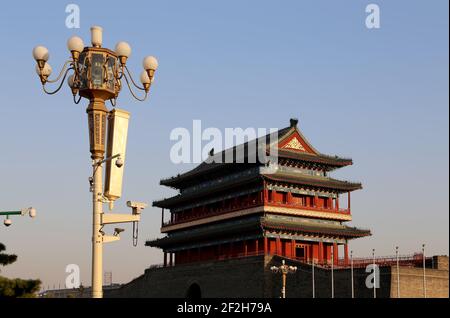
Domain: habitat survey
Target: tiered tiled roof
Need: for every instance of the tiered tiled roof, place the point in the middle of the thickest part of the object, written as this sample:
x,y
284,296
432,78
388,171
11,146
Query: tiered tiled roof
x,y
309,156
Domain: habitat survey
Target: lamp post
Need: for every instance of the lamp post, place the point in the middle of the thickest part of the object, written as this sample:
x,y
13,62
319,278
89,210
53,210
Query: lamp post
x,y
7,222
398,271
424,276
332,273
284,270
374,275
97,75
351,273
313,280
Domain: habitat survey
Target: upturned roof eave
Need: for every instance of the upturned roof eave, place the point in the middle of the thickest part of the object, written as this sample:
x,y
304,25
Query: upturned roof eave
x,y
314,181
333,162
344,231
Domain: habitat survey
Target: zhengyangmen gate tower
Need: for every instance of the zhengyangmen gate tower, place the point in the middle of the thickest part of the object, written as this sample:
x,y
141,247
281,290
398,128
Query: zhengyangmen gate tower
x,y
290,208
231,221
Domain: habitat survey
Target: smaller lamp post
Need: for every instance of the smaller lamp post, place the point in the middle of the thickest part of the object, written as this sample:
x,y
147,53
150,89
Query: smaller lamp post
x,y
374,274
424,274
351,272
284,270
30,211
398,271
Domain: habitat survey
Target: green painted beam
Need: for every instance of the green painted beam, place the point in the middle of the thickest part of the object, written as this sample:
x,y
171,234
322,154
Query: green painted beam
x,y
10,212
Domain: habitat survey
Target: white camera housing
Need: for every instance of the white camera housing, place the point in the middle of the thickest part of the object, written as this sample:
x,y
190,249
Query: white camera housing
x,y
119,162
30,211
117,231
136,206
7,222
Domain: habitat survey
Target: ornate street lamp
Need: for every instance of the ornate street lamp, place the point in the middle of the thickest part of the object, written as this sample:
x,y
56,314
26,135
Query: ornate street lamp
x,y
284,270
96,73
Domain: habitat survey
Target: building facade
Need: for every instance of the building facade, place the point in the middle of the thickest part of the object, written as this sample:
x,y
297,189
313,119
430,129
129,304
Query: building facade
x,y
234,219
284,205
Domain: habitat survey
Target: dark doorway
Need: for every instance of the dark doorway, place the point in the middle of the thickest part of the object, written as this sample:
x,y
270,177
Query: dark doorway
x,y
194,292
300,252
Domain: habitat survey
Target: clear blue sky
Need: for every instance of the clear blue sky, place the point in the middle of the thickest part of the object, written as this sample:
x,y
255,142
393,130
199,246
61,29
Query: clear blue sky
x,y
378,96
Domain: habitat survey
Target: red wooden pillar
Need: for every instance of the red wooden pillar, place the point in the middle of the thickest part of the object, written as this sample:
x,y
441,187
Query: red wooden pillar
x,y
256,246
346,253
337,203
320,252
245,248
315,252
335,253
278,246
289,198
348,203
165,259
293,248
266,245
265,192
281,247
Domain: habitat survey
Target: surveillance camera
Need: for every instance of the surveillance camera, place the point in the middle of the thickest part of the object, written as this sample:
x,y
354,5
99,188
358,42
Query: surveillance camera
x,y
32,212
117,231
136,205
7,222
119,162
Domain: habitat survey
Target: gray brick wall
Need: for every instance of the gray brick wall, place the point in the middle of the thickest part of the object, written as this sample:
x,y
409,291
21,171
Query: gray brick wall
x,y
251,277
231,278
411,282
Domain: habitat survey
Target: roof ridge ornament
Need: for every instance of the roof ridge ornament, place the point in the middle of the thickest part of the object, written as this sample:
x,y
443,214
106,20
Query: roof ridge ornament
x,y
293,122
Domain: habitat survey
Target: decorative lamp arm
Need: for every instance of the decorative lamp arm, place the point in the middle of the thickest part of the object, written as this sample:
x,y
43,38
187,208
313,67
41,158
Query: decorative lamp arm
x,y
60,84
132,80
132,92
61,72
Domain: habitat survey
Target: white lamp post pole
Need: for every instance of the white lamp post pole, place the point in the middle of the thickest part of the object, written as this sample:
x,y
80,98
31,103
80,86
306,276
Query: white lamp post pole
x,y
332,273
351,271
313,281
374,275
398,272
97,237
424,276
